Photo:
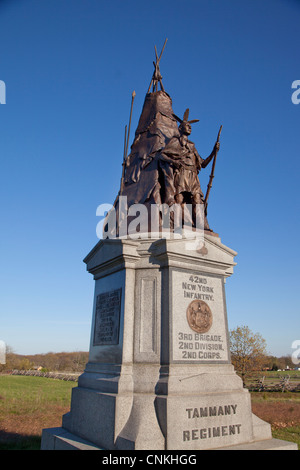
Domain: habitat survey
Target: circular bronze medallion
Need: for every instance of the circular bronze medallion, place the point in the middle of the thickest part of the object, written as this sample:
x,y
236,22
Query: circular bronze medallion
x,y
199,316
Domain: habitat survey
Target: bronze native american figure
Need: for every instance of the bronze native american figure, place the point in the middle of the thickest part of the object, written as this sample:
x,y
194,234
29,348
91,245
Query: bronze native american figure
x,y
163,165
183,164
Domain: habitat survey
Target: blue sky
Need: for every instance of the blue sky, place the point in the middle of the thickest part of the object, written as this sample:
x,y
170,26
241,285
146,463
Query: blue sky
x,y
70,67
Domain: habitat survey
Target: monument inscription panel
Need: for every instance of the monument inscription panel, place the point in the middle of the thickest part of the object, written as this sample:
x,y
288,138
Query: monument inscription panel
x,y
199,332
209,421
107,318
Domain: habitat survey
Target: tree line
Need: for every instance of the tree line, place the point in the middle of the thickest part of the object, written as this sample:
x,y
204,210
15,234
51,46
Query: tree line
x,y
248,354
52,361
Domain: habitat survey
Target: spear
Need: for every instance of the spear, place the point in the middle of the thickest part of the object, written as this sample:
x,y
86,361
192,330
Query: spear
x,y
132,100
123,164
126,140
156,74
211,175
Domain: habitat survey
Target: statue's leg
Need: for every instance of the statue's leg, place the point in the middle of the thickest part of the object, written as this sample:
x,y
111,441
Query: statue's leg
x,y
178,214
199,217
168,188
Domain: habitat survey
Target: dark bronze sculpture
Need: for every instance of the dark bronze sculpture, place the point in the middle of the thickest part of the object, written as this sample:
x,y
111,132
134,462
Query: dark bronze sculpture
x,y
163,165
156,77
183,164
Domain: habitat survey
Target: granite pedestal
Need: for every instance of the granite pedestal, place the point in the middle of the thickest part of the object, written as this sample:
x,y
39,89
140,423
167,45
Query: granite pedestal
x,y
159,375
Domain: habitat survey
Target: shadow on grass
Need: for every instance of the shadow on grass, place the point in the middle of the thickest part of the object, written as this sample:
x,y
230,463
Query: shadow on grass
x,y
291,434
14,441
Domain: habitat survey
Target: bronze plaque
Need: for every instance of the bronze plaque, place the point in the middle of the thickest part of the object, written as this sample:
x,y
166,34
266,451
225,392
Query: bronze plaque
x,y
107,318
199,316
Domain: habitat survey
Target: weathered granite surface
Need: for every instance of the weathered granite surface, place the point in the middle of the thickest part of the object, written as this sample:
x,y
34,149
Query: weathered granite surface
x,y
159,375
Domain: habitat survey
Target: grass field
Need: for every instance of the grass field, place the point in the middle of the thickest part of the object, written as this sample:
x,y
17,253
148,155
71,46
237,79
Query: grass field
x,y
282,411
29,404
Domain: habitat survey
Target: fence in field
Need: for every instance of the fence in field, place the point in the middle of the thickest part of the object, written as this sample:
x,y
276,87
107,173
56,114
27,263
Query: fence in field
x,y
73,377
285,384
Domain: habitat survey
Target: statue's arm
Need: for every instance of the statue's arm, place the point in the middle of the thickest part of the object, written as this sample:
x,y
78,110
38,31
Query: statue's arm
x,y
211,156
171,153
199,159
207,160
169,157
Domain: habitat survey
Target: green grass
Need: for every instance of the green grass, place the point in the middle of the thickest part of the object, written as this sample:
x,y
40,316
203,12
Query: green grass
x,y
25,398
26,443
291,434
276,375
35,390
275,396
25,394
32,402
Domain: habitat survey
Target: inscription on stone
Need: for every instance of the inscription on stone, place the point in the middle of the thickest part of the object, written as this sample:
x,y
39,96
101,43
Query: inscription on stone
x,y
210,429
107,318
199,329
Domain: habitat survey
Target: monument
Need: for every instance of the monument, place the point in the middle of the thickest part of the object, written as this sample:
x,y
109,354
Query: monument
x,y
159,375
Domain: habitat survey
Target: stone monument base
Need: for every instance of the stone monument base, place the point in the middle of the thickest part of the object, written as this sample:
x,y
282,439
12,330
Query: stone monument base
x,y
159,375
60,439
